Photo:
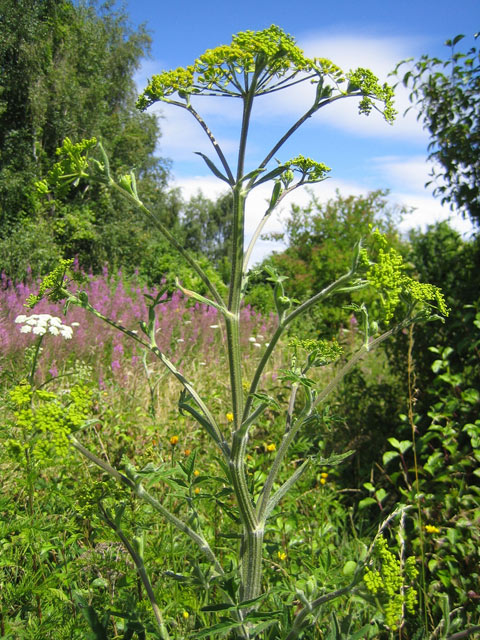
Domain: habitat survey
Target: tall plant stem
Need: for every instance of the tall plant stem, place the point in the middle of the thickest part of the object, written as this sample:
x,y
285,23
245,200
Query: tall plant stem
x,y
252,541
36,354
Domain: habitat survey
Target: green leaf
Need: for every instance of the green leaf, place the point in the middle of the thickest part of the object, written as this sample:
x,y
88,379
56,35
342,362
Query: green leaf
x,y
334,459
402,446
249,603
199,298
275,195
437,366
213,168
274,173
262,626
220,629
222,606
388,456
366,502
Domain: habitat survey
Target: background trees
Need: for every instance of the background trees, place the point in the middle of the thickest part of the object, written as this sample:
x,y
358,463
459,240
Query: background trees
x,y
67,71
447,94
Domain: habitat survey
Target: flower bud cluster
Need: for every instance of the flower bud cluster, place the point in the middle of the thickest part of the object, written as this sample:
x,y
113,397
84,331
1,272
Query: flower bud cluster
x,y
391,585
43,422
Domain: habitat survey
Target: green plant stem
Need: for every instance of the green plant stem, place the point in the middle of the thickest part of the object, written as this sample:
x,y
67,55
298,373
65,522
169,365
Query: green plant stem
x,y
308,114
301,617
214,431
411,394
142,572
36,354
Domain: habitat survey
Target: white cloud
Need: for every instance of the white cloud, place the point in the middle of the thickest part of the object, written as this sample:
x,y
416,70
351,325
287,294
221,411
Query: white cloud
x,y
428,211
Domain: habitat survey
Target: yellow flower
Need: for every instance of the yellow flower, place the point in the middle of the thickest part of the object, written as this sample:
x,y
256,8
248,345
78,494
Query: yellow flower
x,y
323,481
173,440
229,416
185,614
271,447
281,555
324,475
187,452
430,528
196,473
197,490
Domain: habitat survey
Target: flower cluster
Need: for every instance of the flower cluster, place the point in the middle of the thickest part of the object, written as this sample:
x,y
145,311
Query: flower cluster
x,y
42,323
430,528
42,423
387,274
219,70
366,82
73,165
392,586
319,352
311,170
272,57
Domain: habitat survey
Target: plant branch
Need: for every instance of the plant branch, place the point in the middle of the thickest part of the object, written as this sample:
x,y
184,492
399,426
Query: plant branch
x,y
173,241
214,142
129,479
142,572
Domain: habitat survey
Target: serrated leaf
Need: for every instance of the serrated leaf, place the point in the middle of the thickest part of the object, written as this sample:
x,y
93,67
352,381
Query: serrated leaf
x,y
59,594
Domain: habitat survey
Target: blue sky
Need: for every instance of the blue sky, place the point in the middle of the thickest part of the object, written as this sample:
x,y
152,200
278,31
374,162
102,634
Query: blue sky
x,y
364,153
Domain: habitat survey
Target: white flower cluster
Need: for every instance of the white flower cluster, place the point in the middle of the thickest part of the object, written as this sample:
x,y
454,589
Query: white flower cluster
x,y
40,323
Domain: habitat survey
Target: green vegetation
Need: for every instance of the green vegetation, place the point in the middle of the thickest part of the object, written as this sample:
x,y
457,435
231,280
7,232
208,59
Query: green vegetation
x,y
178,464
446,92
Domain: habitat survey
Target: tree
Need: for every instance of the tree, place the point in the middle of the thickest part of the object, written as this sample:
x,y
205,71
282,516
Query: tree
x,y
67,70
447,94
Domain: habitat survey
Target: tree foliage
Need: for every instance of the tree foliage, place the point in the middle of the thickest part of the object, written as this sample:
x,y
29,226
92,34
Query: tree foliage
x,y
67,70
447,94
